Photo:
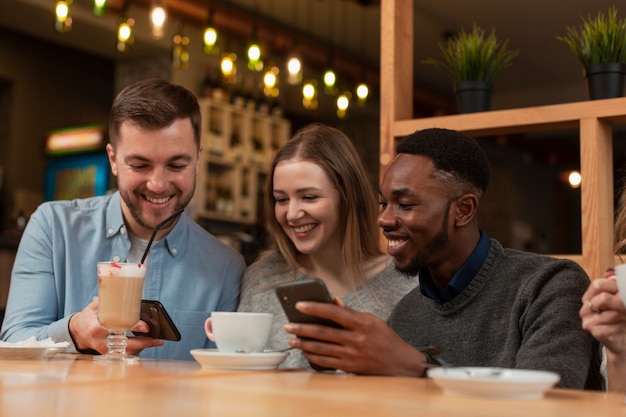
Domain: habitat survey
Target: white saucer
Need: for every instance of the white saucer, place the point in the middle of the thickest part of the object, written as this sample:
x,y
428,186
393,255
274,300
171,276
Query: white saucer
x,y
212,358
29,352
494,382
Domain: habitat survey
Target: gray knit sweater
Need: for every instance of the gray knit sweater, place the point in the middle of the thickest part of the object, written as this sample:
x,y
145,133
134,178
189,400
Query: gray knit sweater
x,y
258,294
520,311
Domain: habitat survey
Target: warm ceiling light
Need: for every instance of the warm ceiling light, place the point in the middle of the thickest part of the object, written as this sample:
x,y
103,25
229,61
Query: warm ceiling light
x,y
125,34
99,7
228,68
158,16
574,179
309,95
210,41
63,19
270,82
294,70
254,57
343,102
330,78
362,91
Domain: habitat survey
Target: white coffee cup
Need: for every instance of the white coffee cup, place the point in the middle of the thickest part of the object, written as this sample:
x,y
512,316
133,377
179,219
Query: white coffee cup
x,y
239,331
620,276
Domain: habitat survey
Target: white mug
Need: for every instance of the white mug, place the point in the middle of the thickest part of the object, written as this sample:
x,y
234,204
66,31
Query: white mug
x,y
239,331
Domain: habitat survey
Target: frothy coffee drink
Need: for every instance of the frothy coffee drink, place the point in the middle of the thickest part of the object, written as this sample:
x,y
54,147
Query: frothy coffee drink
x,y
119,292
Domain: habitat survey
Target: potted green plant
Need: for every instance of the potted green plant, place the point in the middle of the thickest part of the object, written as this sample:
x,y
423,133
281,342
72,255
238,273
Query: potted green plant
x,y
473,60
600,45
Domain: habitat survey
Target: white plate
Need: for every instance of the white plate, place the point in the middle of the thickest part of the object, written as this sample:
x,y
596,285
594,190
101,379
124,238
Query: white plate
x,y
28,352
494,382
212,358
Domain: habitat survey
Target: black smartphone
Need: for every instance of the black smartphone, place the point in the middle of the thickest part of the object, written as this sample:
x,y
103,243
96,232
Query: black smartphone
x,y
161,324
313,289
310,289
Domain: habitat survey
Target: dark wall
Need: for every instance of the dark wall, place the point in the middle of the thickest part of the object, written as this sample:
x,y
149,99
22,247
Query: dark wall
x,y
43,86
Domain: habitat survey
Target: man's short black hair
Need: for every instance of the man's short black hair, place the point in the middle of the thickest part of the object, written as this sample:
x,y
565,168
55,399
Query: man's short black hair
x,y
451,152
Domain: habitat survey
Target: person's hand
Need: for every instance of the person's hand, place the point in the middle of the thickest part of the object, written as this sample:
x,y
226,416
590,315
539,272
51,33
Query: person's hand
x,y
87,332
603,314
365,345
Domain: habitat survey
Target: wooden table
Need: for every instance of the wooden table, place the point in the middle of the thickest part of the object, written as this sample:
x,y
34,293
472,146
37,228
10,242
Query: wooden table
x,y
74,385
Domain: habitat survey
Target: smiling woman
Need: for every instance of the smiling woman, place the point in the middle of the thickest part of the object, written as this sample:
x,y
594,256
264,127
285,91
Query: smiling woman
x,y
321,215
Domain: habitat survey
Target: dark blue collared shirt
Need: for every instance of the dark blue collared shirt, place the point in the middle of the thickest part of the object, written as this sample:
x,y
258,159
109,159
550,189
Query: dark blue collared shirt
x,y
461,279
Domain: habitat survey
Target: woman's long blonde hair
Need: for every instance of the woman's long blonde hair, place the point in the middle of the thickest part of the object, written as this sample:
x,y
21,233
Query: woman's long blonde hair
x,y
330,149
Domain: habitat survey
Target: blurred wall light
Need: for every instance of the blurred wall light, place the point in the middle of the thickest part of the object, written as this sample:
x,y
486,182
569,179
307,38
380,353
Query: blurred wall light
x,y
158,16
63,18
99,7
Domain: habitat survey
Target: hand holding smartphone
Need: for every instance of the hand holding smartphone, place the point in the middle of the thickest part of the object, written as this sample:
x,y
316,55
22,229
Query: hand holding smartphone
x,y
313,289
161,325
310,289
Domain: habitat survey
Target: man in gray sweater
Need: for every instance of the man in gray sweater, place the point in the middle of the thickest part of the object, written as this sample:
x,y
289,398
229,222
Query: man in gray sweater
x,y
483,305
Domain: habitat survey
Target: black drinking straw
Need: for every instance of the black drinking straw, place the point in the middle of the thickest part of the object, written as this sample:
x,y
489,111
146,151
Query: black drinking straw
x,y
156,229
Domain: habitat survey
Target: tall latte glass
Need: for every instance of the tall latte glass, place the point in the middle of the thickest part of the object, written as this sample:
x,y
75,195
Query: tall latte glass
x,y
119,303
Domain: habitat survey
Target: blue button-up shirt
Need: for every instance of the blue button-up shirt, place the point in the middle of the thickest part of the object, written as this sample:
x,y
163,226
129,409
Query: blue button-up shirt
x,y
461,279
54,275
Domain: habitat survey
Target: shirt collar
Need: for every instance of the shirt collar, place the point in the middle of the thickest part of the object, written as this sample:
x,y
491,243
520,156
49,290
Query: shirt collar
x,y
461,278
174,241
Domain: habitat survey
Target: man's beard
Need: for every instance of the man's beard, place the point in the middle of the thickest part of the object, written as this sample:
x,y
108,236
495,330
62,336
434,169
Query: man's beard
x,y
419,260
135,211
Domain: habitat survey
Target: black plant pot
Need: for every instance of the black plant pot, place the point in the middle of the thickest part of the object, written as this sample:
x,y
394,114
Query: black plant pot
x,y
605,80
473,96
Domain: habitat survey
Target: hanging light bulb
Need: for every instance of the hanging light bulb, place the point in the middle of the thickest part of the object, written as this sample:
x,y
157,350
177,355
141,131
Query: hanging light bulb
x,y
210,37
294,67
125,36
270,82
330,79
309,95
255,63
228,67
99,7
362,91
158,16
63,18
180,50
343,102
210,41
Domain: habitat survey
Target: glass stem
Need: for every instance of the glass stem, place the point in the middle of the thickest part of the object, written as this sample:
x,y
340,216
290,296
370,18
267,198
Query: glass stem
x,y
116,343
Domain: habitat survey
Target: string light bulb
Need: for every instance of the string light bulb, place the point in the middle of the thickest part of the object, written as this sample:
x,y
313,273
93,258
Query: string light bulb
x,y
158,16
99,7
63,18
255,63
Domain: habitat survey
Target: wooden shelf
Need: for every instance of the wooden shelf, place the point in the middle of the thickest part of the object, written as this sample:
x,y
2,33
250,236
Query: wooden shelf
x,y
594,119
238,147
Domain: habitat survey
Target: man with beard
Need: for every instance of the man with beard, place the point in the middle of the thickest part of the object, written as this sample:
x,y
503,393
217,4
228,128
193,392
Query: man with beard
x,y
481,304
154,149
